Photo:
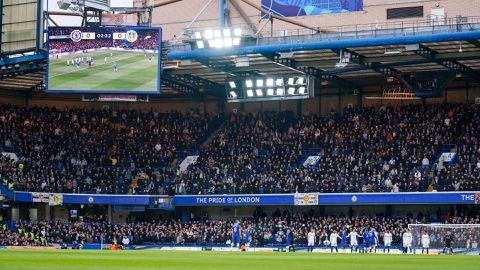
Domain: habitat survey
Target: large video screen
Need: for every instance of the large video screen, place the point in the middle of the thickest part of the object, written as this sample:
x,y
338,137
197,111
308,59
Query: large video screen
x,y
116,60
291,8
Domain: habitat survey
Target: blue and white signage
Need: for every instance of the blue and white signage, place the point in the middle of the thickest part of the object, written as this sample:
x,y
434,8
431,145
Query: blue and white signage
x,y
212,200
266,199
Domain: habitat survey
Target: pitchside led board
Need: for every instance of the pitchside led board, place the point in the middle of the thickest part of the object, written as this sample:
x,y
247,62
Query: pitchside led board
x,y
112,60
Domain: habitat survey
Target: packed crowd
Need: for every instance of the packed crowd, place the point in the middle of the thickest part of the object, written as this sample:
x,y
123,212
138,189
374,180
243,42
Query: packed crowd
x,y
264,230
96,151
362,150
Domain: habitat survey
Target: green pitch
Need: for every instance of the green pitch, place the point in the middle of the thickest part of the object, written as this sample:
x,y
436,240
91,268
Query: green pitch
x,y
92,260
135,72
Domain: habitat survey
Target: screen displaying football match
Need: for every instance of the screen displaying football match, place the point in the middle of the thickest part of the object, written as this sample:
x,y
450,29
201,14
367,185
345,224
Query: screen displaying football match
x,y
104,60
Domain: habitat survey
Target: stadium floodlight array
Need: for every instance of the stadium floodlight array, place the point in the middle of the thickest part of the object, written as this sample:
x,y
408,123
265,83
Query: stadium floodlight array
x,y
268,88
218,38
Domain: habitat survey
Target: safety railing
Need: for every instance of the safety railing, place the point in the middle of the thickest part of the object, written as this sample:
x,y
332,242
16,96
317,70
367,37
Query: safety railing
x,y
431,25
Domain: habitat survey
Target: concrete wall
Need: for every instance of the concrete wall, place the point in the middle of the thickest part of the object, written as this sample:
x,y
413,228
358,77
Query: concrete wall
x,y
175,17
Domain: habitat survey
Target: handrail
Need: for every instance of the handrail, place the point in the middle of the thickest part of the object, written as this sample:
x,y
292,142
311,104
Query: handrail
x,y
355,31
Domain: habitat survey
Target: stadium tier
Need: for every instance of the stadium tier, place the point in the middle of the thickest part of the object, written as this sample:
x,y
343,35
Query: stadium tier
x,y
90,151
132,152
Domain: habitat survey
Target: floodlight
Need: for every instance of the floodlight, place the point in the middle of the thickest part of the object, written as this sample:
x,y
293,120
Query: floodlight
x,y
236,41
232,84
259,92
211,43
279,82
291,81
259,83
249,83
280,91
250,93
301,90
208,34
218,43
217,33
233,94
200,44
198,35
227,42
270,91
270,82
237,32
227,32
291,90
300,80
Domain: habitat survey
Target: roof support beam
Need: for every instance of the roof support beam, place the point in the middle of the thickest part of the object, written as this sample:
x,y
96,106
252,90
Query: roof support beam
x,y
378,67
474,42
244,15
315,72
219,66
192,84
453,65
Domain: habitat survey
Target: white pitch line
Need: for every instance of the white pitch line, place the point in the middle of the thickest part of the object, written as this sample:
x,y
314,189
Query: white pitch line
x,y
79,69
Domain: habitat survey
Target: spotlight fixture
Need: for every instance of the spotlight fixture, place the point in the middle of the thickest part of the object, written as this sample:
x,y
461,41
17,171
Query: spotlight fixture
x,y
280,91
218,38
344,59
270,82
260,88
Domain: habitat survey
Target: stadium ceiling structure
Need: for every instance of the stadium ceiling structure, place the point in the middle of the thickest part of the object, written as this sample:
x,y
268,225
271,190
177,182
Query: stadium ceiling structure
x,y
423,56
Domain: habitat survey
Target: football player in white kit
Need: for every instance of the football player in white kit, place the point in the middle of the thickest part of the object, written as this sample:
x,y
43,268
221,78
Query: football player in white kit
x,y
425,241
334,241
407,241
311,240
387,241
353,235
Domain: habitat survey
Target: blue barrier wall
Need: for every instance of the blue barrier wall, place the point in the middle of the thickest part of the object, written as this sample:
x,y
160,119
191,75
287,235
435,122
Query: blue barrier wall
x,y
272,199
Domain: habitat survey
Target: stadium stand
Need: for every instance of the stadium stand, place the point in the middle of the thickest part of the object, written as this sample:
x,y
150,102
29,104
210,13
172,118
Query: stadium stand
x,y
266,230
368,150
89,151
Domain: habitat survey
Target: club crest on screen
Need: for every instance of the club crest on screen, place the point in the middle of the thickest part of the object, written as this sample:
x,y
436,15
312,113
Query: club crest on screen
x,y
132,36
76,35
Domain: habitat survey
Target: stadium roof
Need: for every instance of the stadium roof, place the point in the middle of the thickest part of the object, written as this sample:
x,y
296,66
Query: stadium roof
x,y
375,55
